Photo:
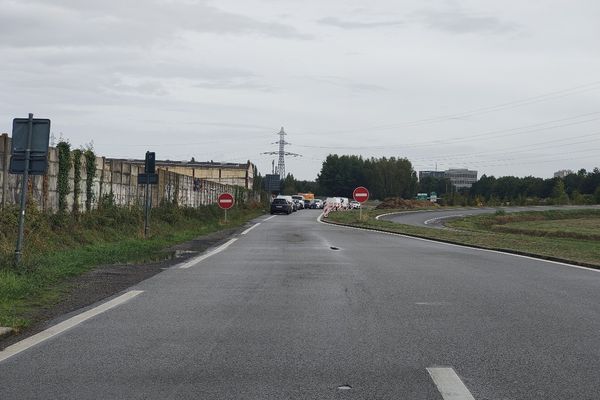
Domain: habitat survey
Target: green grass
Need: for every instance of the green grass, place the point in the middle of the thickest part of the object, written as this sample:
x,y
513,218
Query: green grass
x,y
483,231
59,249
573,228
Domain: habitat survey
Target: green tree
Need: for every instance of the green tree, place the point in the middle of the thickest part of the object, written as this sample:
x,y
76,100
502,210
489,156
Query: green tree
x,y
559,196
288,185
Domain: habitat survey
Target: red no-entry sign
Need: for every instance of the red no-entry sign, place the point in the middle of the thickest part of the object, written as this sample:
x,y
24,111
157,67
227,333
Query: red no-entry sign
x,y
360,194
225,201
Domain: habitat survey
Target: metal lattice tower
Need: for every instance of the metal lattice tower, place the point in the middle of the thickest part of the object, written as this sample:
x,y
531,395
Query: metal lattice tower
x,y
282,153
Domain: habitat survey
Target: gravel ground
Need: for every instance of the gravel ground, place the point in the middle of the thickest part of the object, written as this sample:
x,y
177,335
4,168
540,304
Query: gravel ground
x,y
107,280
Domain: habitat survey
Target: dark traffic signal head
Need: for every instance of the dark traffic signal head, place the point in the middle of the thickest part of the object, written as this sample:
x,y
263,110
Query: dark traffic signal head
x,y
149,166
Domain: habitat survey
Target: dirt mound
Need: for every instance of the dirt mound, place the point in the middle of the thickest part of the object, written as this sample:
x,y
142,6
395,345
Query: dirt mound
x,y
399,203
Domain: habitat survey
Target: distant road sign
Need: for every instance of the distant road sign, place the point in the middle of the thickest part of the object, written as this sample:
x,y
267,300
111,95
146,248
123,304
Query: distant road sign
x,y
225,201
360,194
38,146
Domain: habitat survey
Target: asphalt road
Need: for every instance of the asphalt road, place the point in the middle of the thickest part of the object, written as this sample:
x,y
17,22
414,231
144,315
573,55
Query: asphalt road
x,y
279,314
437,218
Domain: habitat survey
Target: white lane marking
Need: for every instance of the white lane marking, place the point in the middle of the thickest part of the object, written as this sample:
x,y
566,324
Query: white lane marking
x,y
449,384
196,260
272,216
249,229
65,325
400,212
432,220
460,245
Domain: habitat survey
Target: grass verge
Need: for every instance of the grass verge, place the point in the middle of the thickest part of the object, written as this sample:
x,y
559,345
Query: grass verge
x,y
60,247
548,234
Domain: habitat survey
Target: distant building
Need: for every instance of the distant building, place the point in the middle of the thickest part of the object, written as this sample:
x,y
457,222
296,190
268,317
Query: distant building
x,y
562,173
433,174
460,178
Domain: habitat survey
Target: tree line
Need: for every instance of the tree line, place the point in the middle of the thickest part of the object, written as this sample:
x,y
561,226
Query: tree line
x,y
582,187
395,177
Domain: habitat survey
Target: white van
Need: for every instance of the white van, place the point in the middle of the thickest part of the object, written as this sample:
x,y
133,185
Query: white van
x,y
345,203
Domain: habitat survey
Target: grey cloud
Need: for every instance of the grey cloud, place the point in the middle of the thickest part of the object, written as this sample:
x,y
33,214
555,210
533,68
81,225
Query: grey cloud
x,y
459,21
152,88
348,84
122,23
244,84
344,24
183,71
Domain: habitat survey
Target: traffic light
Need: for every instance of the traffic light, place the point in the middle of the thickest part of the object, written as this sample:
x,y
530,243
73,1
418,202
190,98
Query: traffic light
x,y
149,166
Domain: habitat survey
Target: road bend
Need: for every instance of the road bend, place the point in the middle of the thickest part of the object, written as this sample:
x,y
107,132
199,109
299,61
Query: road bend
x,y
296,309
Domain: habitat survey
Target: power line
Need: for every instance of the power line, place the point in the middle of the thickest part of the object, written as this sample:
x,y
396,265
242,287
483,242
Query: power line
x,y
482,110
485,135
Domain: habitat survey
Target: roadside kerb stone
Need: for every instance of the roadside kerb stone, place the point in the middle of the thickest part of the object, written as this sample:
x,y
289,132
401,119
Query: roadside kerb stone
x,y
5,331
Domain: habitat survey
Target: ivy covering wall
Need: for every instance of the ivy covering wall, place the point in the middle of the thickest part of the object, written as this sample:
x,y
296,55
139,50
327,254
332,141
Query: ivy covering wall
x,y
64,165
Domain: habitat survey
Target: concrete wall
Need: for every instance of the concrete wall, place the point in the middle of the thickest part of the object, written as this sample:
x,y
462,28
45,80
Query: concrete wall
x,y
112,176
221,173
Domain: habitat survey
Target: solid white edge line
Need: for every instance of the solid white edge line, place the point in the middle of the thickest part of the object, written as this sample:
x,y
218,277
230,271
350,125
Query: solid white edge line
x,y
203,257
449,384
398,212
249,229
441,218
65,325
272,216
461,246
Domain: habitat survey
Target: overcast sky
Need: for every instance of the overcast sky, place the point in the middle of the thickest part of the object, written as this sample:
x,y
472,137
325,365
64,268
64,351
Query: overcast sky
x,y
506,87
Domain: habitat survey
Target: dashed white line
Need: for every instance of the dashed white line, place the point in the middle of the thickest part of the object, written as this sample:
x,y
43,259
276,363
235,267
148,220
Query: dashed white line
x,y
449,384
196,260
65,325
249,229
272,216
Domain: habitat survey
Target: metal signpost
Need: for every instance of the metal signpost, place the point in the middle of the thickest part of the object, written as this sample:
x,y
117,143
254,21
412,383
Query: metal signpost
x,y
360,194
29,156
149,177
225,201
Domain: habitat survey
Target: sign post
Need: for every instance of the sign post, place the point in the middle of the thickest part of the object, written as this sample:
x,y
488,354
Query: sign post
x,y
360,194
225,201
29,156
149,177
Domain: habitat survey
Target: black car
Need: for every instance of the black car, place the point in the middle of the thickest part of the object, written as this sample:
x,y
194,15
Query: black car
x,y
281,206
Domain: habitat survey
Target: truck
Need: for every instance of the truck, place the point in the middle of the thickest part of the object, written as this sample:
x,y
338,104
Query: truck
x,y
308,196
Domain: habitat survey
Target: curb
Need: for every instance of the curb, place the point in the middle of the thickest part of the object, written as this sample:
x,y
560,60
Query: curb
x,y
500,250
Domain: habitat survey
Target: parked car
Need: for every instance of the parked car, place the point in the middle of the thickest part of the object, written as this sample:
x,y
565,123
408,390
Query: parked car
x,y
299,199
299,204
317,204
281,206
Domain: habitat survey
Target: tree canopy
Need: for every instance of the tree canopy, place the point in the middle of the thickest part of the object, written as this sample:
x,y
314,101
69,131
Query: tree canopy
x,y
384,177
